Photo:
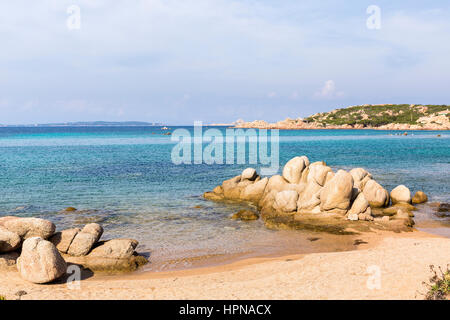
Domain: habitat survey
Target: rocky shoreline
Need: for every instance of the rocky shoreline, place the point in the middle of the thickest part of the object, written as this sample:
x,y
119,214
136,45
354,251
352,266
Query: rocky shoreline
x,y
299,124
375,117
311,196
42,255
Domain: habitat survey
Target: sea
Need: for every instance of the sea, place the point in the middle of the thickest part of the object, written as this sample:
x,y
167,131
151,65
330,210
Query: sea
x,y
126,179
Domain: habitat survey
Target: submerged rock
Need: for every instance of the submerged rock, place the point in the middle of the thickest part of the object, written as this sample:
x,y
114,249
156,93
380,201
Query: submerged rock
x,y
40,261
245,215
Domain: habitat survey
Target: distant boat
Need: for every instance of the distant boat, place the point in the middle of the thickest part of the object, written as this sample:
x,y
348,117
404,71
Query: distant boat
x,y
164,128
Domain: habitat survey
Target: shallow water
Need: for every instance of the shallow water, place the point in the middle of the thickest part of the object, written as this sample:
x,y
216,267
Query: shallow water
x,y
123,178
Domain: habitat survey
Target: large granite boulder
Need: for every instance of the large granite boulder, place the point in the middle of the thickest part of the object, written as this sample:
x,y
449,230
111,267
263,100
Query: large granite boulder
x,y
115,249
40,261
230,188
255,191
360,177
112,256
318,173
274,185
375,194
309,198
245,215
277,183
84,240
28,227
63,239
360,205
419,197
9,241
286,201
400,194
337,193
293,169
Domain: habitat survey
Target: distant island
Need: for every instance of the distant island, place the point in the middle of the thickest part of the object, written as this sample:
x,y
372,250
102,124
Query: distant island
x,y
90,124
380,116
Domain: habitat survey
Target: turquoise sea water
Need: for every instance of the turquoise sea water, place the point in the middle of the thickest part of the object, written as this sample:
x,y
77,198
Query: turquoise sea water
x,y
123,178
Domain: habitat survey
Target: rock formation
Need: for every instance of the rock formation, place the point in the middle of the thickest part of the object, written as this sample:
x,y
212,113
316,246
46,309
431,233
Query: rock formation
x,y
312,195
23,244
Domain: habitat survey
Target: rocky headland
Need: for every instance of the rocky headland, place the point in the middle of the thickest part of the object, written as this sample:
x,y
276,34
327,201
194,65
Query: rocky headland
x,y
381,117
311,196
42,255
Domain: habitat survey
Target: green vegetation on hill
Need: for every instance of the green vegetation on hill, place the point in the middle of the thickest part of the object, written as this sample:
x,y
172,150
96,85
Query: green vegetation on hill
x,y
377,115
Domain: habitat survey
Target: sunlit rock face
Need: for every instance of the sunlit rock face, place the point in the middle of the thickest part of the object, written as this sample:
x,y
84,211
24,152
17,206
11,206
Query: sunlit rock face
x,y
308,190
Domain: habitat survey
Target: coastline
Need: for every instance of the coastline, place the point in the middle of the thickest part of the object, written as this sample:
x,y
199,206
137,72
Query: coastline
x,y
349,127
376,117
403,260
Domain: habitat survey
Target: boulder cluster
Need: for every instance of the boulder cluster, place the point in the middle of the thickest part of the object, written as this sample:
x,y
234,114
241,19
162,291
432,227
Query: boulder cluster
x,y
314,190
41,255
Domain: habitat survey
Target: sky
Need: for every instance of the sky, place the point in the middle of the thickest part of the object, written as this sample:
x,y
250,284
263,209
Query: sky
x,y
216,61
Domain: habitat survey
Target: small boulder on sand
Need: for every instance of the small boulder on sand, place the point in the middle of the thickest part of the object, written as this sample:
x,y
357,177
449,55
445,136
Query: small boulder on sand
x,y
85,239
115,249
419,197
40,261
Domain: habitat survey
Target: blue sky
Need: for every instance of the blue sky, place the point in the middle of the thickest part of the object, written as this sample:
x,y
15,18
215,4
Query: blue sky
x,y
216,60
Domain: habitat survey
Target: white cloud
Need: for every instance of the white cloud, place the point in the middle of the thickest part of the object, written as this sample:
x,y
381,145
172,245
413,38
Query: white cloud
x,y
329,91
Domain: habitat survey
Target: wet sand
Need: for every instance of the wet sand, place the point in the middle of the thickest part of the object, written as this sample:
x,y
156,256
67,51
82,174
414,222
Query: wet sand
x,y
402,260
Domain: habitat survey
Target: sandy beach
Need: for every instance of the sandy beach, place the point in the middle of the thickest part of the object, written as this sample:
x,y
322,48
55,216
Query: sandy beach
x,y
402,260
